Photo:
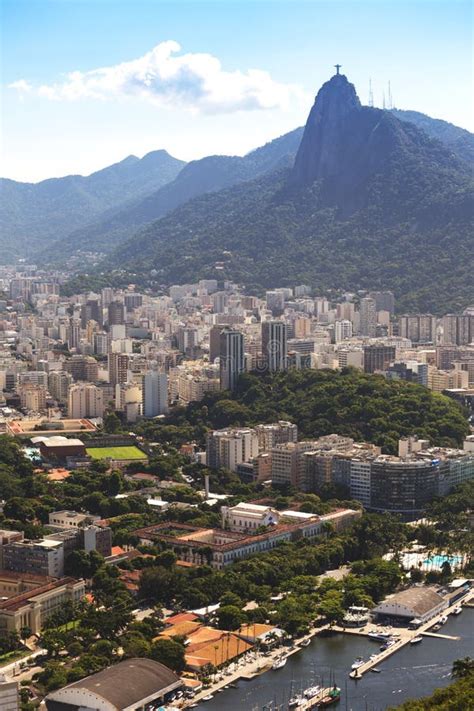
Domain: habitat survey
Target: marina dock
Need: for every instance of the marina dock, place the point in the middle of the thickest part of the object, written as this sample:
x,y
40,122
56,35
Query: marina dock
x,y
407,635
259,665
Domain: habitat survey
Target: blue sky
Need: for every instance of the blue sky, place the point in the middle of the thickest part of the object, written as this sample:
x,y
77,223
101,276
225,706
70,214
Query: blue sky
x,y
87,82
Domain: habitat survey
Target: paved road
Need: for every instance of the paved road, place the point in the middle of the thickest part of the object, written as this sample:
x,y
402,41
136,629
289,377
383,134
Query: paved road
x,y
13,670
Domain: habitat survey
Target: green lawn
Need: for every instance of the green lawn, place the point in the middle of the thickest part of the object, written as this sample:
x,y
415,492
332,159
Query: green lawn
x,y
15,656
115,452
68,626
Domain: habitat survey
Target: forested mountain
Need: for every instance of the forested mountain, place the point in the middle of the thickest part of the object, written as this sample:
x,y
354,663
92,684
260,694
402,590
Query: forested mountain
x,y
371,202
460,141
35,214
215,173
209,174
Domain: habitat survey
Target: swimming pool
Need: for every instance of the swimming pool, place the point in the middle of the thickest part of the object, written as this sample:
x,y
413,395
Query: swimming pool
x,y
32,453
438,560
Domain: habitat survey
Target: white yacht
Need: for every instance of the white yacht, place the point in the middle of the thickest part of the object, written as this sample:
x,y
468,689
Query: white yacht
x,y
279,662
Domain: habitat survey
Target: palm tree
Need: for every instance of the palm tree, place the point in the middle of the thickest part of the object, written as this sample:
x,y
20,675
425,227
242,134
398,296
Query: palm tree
x,y
463,668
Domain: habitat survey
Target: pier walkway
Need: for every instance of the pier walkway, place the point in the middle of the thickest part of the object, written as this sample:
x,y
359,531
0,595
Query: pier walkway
x,y
440,636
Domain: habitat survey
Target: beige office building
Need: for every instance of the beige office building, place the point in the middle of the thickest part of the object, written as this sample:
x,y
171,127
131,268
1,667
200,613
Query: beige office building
x,y
32,609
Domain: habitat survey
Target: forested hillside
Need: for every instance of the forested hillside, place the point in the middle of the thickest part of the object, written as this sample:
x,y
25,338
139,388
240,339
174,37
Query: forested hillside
x,y
320,402
198,177
33,215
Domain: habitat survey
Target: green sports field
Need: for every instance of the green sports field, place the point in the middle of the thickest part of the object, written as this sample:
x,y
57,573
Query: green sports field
x,y
115,453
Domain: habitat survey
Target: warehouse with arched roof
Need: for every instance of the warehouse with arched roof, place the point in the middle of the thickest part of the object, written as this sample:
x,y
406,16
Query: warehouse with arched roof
x,y
126,686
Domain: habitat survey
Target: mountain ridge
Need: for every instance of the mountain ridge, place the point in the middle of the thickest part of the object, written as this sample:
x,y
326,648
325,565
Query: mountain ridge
x,y
208,174
383,229
197,177
33,213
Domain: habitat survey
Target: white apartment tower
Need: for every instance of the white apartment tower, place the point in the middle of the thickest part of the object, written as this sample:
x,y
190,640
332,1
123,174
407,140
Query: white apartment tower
x,y
155,394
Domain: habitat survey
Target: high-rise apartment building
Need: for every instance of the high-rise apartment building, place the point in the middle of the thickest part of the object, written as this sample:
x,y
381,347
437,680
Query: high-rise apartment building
x,y
74,333
231,357
214,342
288,463
9,694
275,302
59,382
276,433
106,296
85,400
91,311
118,368
412,371
155,393
419,328
439,380
116,313
82,368
33,397
187,339
302,327
342,330
458,330
43,557
368,317
274,345
228,448
100,343
132,300
377,358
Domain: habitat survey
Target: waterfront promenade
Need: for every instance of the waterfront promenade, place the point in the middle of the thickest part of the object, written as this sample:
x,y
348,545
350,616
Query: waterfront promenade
x,y
255,664
252,665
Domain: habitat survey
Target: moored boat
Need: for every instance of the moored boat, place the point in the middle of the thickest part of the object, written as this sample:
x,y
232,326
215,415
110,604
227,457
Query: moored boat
x,y
358,663
443,620
379,636
311,691
417,639
333,697
305,642
279,662
457,610
295,701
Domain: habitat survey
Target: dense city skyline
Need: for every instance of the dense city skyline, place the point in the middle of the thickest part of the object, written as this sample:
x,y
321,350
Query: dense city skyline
x,y
236,355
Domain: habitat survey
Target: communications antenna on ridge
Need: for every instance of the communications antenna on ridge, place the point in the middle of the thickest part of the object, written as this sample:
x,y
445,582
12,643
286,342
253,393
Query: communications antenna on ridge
x,y
371,94
383,101
390,102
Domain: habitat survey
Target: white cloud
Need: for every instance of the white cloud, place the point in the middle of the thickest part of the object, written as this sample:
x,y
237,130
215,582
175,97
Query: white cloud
x,y
22,86
163,77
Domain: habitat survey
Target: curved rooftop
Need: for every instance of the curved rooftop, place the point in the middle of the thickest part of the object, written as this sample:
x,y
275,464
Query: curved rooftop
x,y
118,688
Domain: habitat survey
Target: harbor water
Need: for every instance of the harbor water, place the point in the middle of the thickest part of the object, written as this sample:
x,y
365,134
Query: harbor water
x,y
414,671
